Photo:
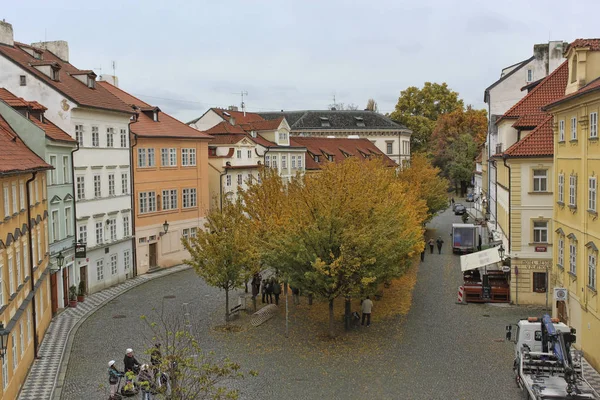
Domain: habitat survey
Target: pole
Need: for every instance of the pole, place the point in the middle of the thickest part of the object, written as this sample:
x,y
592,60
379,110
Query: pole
x,y
287,312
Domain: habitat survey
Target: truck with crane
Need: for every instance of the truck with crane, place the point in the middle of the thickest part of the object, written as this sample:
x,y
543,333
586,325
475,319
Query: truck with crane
x,y
545,367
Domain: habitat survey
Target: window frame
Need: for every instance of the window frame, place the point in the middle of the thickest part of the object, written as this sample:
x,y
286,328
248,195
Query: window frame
x,y
592,193
95,136
561,130
573,128
540,180
535,280
593,125
540,231
573,191
573,257
389,147
592,269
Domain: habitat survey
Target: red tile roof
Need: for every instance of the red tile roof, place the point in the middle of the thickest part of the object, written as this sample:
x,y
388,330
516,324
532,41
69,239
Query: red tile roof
x,y
145,126
590,87
228,139
550,89
593,44
68,85
530,120
337,147
51,130
239,116
268,125
539,143
16,156
225,128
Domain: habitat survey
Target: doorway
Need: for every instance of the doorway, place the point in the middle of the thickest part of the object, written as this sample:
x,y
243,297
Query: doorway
x,y
561,311
54,293
65,279
83,277
152,255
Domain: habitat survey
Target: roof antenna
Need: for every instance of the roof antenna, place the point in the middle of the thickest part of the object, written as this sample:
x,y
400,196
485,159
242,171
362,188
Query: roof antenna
x,y
243,93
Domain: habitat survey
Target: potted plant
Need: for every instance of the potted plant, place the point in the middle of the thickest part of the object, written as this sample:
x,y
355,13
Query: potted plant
x,y
73,296
81,293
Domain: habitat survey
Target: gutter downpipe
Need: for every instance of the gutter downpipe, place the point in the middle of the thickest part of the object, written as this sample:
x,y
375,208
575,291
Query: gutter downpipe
x,y
75,233
221,188
132,193
504,158
31,269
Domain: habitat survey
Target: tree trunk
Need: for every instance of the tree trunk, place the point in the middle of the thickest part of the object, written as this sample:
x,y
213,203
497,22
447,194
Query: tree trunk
x,y
226,305
246,287
347,313
310,299
331,320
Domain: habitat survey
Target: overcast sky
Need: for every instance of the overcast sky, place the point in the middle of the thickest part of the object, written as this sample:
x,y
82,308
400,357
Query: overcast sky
x,y
187,56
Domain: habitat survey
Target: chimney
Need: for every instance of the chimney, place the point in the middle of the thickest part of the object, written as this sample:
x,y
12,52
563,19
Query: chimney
x,y
59,48
232,108
232,120
6,33
112,79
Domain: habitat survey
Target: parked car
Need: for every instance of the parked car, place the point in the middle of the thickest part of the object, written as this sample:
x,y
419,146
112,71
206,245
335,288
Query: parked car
x,y
470,197
459,209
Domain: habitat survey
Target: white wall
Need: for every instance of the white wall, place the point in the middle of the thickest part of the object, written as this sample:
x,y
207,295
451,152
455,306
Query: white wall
x,y
207,121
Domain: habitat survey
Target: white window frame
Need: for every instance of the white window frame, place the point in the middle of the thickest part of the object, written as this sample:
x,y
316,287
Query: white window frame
x,y
141,158
21,339
113,229
55,226
228,180
66,171
114,265
97,186
25,254
100,269
80,187
123,138
249,154
540,233
124,183
574,128
238,154
592,263
15,203
15,359
561,130
189,197
11,276
592,193
267,161
169,199
82,235
188,157
126,260
573,257
573,190
110,137
151,158
68,221
111,185
300,162
540,180
95,136
274,161
147,202
18,266
99,229
284,162
126,226
561,188
79,137
530,75
594,125
240,179
6,190
52,172
22,194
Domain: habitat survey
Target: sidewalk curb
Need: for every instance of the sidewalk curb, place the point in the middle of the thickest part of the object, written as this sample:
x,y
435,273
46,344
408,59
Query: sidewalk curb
x,y
66,353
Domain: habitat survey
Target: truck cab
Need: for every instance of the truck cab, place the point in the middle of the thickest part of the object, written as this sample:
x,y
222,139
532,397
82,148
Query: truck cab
x,y
529,332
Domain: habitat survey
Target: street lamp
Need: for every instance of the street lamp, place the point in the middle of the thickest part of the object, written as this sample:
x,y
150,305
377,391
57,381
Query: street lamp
x,y
501,252
166,226
60,260
3,340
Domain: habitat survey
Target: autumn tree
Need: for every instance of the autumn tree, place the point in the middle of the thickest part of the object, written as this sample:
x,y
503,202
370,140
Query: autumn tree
x,y
462,153
419,110
372,105
426,180
192,373
223,253
342,230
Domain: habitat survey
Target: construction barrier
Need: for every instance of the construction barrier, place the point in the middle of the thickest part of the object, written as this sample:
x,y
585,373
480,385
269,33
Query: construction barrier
x,y
461,296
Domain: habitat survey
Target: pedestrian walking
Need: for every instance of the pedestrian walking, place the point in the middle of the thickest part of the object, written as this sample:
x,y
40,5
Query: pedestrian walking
x,y
276,290
113,378
423,255
366,307
452,201
479,244
296,295
439,242
263,291
431,244
270,291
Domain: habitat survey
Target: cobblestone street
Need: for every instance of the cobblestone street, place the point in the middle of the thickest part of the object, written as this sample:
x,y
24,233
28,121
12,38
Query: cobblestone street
x,y
440,350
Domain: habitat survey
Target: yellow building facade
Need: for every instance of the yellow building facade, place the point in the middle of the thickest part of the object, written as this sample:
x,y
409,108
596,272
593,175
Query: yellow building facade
x,y
576,225
25,306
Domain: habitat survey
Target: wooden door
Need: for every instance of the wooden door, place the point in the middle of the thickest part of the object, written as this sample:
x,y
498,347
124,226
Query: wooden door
x,y
66,284
561,311
83,276
53,293
152,255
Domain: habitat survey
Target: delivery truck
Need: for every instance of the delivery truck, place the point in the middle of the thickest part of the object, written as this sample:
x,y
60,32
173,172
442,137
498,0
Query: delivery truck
x,y
464,238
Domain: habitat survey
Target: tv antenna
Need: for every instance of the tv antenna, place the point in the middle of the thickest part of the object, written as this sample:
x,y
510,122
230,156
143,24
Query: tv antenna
x,y
242,94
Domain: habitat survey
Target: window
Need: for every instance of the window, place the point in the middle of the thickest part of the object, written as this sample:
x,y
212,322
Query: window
x,y
573,257
99,238
169,199
573,128
325,122
267,161
15,204
68,221
126,260
100,269
22,194
97,186
125,225
83,234
592,257
529,75
389,147
168,157
80,188
111,184
66,175
540,180
151,160
574,69
293,162
299,161
239,154
55,74
249,179
540,231
274,161
147,201
21,342
561,188
240,179
52,172
110,137
189,198
55,235
573,191
95,136
22,80
33,253
2,302
249,154
193,232
6,201
13,339
592,194
11,267
29,326
25,259
36,190
185,233
283,137
594,125
79,134
123,138
113,229
228,180
141,158
124,183
5,372
113,264
539,282
561,130
18,267
188,157
284,162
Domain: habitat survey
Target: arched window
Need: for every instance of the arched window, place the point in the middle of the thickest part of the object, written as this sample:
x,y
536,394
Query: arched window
x,y
574,69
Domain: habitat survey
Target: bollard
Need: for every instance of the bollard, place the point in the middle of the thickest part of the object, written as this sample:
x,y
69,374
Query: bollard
x,y
461,295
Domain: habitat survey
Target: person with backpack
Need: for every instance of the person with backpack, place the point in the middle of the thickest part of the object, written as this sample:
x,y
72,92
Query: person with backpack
x,y
439,242
113,378
276,290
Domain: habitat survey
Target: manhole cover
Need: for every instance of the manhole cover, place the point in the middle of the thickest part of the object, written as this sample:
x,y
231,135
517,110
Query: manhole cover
x,y
118,316
486,315
170,296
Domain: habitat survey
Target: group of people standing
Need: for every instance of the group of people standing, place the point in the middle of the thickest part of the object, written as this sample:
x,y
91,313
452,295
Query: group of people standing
x,y
148,378
270,289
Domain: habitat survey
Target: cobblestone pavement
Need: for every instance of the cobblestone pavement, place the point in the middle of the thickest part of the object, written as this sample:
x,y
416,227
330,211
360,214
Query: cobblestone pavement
x,y
440,350
42,378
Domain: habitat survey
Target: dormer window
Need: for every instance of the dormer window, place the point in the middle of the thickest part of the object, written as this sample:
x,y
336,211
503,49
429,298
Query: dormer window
x,y
212,151
360,122
325,122
330,157
23,80
253,133
37,55
91,82
55,73
225,113
155,116
529,75
316,157
574,69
